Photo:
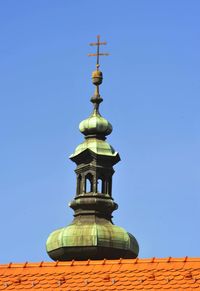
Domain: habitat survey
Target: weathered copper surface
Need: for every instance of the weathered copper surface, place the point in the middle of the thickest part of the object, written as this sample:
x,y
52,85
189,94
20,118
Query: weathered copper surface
x,y
92,234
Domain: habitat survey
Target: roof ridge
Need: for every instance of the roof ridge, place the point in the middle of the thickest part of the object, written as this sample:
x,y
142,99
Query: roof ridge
x,y
101,262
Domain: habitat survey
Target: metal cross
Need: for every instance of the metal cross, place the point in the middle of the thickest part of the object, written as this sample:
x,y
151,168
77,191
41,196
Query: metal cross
x,y
98,43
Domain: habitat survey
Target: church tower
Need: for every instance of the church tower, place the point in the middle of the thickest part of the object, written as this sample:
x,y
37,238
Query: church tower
x,y
92,234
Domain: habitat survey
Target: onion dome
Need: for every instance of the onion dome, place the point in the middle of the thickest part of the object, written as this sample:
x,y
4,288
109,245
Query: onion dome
x,y
95,125
94,240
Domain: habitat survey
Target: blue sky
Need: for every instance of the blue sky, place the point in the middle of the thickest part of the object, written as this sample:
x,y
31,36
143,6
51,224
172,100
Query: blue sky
x,y
151,94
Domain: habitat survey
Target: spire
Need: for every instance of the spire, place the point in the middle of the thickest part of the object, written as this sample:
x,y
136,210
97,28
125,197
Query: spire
x,y
92,234
97,76
96,125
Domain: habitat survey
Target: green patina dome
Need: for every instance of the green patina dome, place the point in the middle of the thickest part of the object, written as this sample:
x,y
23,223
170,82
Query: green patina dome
x,y
95,125
98,146
77,237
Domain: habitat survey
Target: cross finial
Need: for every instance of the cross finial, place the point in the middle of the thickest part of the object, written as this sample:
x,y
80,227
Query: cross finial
x,y
98,43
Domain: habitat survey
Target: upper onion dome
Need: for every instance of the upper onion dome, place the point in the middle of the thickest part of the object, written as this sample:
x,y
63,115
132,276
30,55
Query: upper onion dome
x,y
95,125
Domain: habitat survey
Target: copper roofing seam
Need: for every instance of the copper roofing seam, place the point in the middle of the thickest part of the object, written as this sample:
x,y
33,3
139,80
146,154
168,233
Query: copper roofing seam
x,y
100,262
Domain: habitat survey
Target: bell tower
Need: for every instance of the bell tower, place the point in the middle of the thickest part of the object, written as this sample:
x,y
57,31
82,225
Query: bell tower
x,y
92,234
95,158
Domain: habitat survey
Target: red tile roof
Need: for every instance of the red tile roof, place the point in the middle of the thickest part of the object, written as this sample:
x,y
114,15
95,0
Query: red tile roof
x,y
125,274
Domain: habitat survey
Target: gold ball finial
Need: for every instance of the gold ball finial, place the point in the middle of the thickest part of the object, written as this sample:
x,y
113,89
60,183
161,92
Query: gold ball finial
x,y
97,77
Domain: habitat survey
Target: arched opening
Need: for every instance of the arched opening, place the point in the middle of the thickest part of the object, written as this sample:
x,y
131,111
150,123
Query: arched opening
x,y
88,183
100,186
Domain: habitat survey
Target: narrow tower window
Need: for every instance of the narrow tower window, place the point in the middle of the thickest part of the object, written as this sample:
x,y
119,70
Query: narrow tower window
x,y
88,183
100,186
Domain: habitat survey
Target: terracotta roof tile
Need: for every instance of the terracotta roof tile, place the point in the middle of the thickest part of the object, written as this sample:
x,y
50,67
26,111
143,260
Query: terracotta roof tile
x,y
125,274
